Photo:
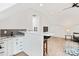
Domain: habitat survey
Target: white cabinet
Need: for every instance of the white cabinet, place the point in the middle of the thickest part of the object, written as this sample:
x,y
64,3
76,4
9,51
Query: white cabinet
x,y
7,46
4,49
33,44
18,44
12,45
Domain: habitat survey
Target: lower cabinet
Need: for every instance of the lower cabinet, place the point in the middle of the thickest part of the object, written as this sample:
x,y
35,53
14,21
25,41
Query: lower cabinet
x,y
12,46
18,45
33,45
4,44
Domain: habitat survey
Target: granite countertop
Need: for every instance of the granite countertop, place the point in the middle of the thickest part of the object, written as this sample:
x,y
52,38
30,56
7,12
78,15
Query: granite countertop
x,y
18,34
11,36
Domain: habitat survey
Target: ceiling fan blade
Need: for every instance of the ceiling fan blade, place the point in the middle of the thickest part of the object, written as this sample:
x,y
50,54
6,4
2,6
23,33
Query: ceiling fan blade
x,y
74,4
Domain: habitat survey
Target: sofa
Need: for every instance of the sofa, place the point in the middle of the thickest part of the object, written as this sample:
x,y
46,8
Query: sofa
x,y
75,36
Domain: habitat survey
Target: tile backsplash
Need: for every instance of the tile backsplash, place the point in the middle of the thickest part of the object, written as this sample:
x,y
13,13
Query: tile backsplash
x,y
9,31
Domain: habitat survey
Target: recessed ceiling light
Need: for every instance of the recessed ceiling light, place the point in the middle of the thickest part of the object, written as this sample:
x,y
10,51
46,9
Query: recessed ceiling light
x,y
41,4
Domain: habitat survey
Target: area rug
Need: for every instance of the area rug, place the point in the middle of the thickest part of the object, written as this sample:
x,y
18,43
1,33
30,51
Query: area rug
x,y
71,48
71,51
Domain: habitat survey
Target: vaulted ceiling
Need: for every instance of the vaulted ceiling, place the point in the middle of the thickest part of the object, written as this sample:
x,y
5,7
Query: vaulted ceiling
x,y
53,12
4,6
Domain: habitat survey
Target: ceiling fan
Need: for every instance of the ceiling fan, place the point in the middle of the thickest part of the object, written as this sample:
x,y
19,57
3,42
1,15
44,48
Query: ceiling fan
x,y
73,5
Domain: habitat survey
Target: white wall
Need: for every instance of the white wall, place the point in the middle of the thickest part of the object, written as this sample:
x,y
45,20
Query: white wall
x,y
58,25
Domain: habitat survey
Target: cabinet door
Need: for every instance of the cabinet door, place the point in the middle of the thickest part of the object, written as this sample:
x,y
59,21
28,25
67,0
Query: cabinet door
x,y
3,51
14,46
21,43
27,44
18,44
10,46
36,44
5,47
